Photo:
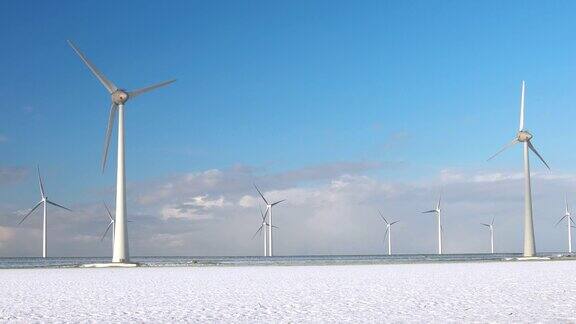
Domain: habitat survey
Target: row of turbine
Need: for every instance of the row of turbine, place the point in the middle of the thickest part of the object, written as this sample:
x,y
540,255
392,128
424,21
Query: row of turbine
x,y
438,211
522,136
120,96
266,227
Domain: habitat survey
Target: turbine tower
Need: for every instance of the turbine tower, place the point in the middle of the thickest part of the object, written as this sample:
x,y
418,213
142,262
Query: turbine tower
x,y
388,232
44,202
119,98
111,224
491,227
524,137
270,225
438,212
568,217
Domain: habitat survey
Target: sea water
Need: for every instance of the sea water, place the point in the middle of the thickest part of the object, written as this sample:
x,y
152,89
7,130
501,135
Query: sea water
x,y
204,261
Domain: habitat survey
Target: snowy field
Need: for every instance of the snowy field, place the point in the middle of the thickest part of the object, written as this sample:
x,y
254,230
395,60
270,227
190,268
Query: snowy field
x,y
457,292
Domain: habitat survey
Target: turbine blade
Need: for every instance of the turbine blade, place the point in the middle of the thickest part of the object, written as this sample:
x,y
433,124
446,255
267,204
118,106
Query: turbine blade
x,y
439,201
105,82
261,195
522,107
566,203
258,231
492,223
109,213
111,119
514,141
571,221
382,216
274,226
106,232
30,212
386,235
55,204
538,154
276,203
40,182
394,223
429,211
485,224
138,92
561,219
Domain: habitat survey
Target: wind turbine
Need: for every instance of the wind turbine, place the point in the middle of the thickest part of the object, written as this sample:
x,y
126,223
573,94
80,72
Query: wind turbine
x,y
119,98
491,227
264,226
269,212
568,216
388,232
438,212
44,202
523,136
111,224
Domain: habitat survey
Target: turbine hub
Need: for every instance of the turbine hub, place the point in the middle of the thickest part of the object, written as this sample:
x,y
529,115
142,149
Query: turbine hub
x,y
524,136
119,97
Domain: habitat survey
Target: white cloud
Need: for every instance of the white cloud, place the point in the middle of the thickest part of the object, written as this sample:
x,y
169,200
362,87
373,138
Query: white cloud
x,y
215,212
248,201
198,208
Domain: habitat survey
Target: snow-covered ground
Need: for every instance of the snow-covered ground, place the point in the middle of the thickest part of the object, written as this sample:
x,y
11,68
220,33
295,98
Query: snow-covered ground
x,y
463,292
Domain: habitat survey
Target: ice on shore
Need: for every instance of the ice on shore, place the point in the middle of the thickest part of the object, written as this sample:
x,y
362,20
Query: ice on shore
x,y
457,292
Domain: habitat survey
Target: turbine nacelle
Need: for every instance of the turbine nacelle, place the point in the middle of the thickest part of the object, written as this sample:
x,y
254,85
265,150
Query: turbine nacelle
x,y
524,136
119,97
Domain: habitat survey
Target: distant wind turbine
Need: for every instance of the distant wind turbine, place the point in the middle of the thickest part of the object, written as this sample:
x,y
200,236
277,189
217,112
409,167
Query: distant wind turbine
x,y
264,225
44,202
568,217
119,98
269,212
523,136
438,212
491,227
388,232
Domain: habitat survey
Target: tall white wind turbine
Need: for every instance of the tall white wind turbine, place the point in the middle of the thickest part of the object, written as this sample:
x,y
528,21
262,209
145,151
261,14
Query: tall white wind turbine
x,y
119,98
568,217
491,227
388,234
111,224
44,202
264,229
438,212
524,137
270,225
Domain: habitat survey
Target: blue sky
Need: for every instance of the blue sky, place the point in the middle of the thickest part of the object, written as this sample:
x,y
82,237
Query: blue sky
x,y
422,86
